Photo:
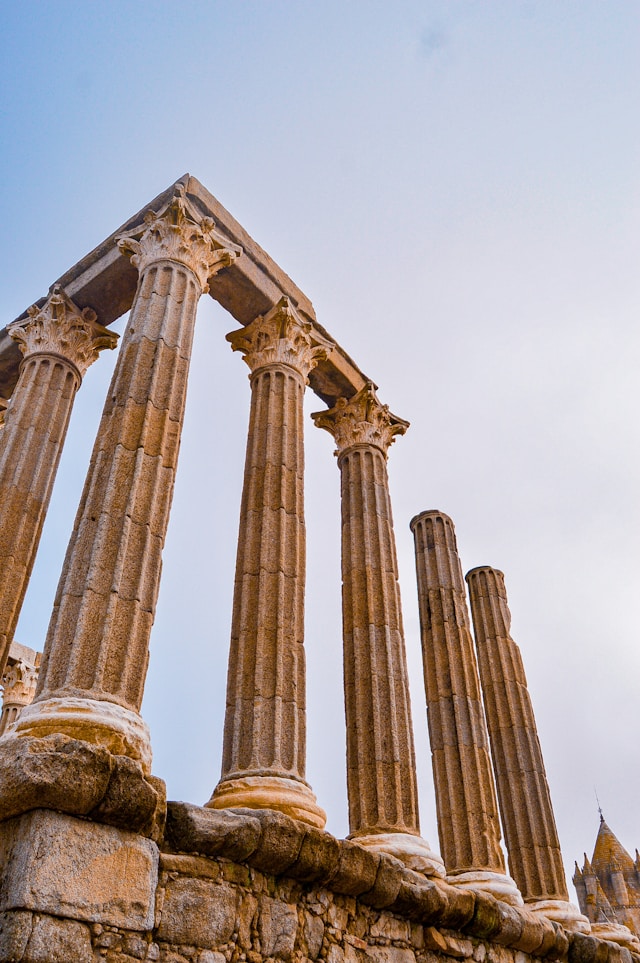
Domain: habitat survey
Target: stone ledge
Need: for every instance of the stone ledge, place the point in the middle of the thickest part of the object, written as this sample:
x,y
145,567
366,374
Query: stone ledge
x,y
279,846
75,777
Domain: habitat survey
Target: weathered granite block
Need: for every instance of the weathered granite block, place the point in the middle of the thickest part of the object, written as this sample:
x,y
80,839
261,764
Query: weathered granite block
x,y
57,864
28,938
390,954
73,776
58,941
192,829
15,929
199,912
278,925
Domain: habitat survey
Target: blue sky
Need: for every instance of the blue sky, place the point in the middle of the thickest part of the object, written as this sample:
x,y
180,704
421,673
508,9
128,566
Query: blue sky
x,y
455,186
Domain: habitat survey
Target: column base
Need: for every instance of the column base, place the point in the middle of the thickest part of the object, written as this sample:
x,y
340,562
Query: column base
x,y
413,851
616,933
563,912
289,796
497,884
121,731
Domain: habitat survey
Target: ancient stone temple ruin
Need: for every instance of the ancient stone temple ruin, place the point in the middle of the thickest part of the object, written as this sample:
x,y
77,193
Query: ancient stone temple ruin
x,y
96,865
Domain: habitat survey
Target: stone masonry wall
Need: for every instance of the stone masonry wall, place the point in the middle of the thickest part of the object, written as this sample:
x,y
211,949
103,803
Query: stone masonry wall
x,y
248,887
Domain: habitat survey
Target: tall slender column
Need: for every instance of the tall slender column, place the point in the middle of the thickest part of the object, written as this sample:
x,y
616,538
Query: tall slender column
x,y
95,658
381,776
530,831
468,823
263,765
59,342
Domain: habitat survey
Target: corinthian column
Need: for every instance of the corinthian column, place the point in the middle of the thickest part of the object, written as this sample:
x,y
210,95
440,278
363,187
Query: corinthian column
x,y
95,658
530,831
263,764
381,777
59,342
468,823
18,683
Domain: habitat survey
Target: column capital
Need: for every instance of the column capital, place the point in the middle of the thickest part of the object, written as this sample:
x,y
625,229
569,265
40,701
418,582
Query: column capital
x,y
19,682
361,420
281,336
61,328
178,232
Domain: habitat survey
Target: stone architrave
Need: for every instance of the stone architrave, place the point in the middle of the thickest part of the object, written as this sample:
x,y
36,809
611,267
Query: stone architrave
x,y
535,859
468,823
381,777
263,763
96,653
59,341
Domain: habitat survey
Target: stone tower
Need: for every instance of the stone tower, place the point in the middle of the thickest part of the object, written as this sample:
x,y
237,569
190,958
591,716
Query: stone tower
x,y
608,887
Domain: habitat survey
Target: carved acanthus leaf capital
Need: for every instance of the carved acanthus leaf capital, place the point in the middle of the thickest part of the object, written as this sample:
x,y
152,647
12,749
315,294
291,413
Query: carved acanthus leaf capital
x,y
61,328
178,232
361,420
19,683
281,336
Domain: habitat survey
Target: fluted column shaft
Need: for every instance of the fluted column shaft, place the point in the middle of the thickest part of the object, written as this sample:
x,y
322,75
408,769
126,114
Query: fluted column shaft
x,y
530,831
103,611
263,764
468,823
266,681
96,653
59,342
381,776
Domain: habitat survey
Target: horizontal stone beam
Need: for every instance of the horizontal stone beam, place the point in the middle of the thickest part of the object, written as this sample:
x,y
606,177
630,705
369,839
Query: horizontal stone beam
x,y
105,280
